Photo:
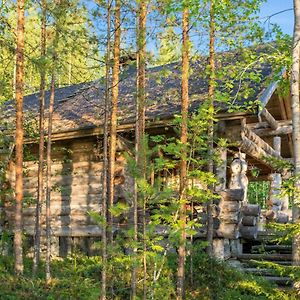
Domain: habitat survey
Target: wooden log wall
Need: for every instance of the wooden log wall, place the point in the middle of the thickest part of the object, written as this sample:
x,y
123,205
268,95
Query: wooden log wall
x,y
250,219
230,206
76,189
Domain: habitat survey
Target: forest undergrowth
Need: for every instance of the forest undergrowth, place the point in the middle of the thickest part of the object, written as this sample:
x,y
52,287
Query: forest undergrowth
x,y
77,277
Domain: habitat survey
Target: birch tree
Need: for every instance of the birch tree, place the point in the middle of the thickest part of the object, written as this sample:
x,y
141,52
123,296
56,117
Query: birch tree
x,y
41,140
296,122
58,15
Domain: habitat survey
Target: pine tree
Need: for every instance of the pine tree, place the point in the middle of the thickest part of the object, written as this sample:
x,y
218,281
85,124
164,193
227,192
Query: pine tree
x,y
113,113
140,126
19,137
183,159
79,57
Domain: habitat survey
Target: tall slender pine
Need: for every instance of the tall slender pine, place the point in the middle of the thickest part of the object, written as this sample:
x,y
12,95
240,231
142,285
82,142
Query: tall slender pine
x,y
113,113
19,137
140,134
183,160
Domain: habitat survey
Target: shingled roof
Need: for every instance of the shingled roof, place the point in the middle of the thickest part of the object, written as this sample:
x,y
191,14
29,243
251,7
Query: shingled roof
x,y
81,106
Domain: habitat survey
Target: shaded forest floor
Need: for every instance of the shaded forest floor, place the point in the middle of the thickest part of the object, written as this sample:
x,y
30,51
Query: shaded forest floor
x,y
78,277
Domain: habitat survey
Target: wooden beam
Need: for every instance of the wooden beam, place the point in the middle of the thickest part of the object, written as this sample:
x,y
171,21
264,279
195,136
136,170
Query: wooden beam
x,y
94,131
255,151
281,130
260,142
250,148
269,118
285,108
263,129
269,91
282,108
265,125
251,144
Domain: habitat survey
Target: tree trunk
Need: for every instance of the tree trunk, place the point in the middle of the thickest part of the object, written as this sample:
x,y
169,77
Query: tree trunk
x,y
139,141
211,94
41,142
296,123
48,178
48,155
113,114
105,158
19,138
140,134
183,160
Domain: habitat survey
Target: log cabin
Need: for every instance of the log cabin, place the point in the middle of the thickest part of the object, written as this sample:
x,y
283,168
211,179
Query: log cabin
x,y
257,124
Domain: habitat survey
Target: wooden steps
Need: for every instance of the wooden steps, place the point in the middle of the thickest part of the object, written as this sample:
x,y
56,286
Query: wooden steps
x,y
278,262
261,272
267,248
251,263
280,281
266,257
267,236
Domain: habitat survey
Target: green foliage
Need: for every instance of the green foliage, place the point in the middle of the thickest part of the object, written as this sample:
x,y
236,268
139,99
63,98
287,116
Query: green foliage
x,y
169,48
284,233
82,284
77,277
215,280
279,165
31,127
258,192
78,60
78,53
159,196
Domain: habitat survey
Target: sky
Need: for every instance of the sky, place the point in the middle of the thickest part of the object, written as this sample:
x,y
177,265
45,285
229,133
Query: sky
x,y
284,19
